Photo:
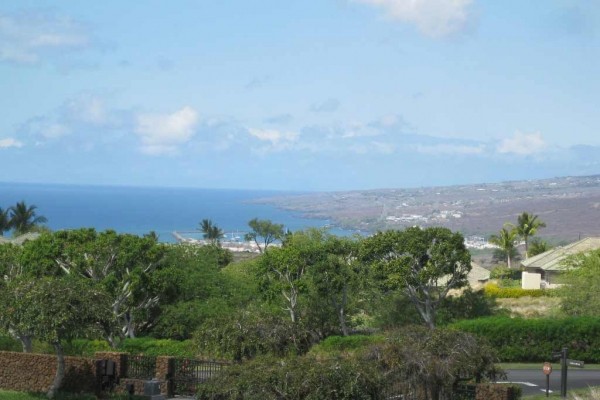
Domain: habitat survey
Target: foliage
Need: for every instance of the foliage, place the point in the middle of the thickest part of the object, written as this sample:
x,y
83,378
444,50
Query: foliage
x,y
342,344
423,263
429,361
5,222
120,264
159,347
501,272
538,246
527,226
524,340
505,240
194,289
10,395
55,311
24,219
266,230
250,333
211,232
468,305
495,291
7,343
581,294
300,378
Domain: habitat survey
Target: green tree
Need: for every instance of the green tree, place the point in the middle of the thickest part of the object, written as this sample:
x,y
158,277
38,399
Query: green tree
x,y
11,268
423,263
527,226
538,246
55,311
335,278
121,264
25,219
265,230
211,232
505,240
5,222
581,293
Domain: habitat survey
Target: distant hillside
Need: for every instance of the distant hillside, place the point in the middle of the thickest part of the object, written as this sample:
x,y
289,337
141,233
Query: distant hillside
x,y
570,206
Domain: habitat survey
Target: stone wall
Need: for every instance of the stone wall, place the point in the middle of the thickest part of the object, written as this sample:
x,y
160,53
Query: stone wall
x,y
35,372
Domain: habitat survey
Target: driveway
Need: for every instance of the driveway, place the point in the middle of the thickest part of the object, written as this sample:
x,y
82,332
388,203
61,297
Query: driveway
x,y
534,381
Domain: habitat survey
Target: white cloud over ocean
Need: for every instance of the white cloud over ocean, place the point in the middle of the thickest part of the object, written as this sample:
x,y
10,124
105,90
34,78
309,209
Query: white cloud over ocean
x,y
164,133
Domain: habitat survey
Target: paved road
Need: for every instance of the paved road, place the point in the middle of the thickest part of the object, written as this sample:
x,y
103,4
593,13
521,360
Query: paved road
x,y
534,381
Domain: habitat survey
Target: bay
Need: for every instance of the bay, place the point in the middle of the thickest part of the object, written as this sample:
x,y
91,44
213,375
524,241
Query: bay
x,y
139,210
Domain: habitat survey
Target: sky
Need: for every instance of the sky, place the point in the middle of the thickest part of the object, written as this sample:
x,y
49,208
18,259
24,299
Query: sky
x,y
311,95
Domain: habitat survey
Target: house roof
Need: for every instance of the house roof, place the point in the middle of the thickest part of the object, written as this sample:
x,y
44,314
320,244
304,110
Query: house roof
x,y
476,276
478,273
551,259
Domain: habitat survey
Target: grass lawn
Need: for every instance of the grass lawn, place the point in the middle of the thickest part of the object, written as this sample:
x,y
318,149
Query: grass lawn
x,y
591,393
10,395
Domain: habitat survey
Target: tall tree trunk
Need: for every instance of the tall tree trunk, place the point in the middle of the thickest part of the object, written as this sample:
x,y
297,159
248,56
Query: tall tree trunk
x,y
341,312
60,370
26,342
508,259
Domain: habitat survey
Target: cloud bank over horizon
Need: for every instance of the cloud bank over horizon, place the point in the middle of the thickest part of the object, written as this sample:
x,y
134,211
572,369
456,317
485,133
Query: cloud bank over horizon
x,y
311,96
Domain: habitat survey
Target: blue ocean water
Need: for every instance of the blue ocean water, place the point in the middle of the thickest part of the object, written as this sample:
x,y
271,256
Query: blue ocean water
x,y
139,210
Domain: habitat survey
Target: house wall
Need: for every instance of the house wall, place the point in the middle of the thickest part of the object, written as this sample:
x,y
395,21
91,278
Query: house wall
x,y
531,280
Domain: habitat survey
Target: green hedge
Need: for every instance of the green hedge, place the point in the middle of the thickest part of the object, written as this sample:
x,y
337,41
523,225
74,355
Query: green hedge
x,y
493,290
9,344
84,347
159,347
525,340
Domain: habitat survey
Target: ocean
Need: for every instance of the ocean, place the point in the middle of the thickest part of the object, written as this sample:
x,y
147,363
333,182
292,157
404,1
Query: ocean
x,y
139,210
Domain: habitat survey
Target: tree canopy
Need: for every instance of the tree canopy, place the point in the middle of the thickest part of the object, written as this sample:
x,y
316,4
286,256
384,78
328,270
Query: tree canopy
x,y
24,218
423,263
210,231
527,226
264,232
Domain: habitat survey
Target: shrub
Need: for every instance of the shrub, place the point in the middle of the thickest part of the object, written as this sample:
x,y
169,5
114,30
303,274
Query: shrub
x,y
528,340
251,333
493,290
300,378
159,347
7,343
339,344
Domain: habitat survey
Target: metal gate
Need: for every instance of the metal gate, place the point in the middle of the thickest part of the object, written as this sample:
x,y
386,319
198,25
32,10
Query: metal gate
x,y
188,374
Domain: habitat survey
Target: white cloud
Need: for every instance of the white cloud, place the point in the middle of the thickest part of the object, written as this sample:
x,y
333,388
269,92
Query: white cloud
x,y
435,18
272,135
163,133
522,144
10,142
88,109
439,149
26,38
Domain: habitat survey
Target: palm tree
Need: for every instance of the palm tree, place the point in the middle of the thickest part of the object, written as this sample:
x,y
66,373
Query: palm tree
x,y
211,232
24,219
505,240
527,226
5,223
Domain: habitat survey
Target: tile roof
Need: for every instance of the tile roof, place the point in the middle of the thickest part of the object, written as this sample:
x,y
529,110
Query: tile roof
x,y
551,260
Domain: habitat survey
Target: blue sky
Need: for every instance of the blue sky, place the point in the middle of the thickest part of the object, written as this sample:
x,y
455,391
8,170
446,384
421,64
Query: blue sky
x,y
298,95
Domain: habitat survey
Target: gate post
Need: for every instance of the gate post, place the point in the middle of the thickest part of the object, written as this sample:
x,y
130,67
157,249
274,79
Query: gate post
x,y
164,373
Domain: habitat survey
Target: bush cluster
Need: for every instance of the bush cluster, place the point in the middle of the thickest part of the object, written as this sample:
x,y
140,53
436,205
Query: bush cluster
x,y
416,362
252,333
528,340
299,378
495,291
